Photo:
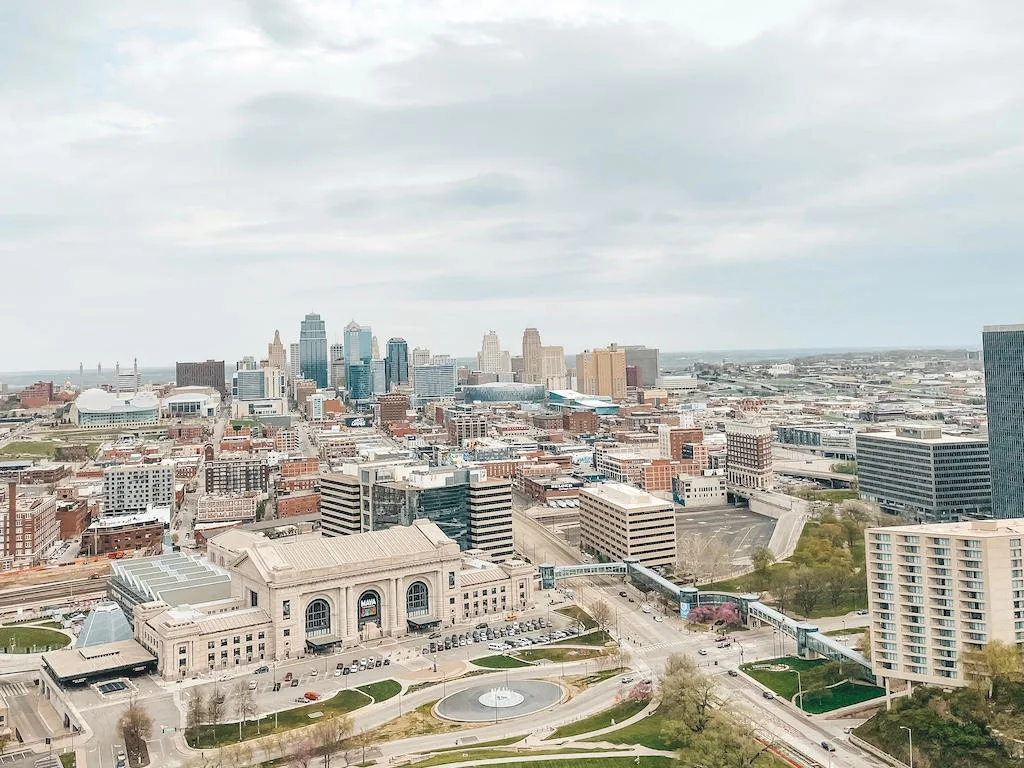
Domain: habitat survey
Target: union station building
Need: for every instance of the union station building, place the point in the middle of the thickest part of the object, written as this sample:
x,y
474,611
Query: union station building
x,y
308,593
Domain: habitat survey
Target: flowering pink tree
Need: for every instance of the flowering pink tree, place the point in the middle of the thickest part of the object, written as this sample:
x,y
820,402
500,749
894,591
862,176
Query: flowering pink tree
x,y
712,613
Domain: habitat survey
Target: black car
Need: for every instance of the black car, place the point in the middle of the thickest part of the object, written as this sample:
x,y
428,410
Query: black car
x,y
387,661
434,635
482,625
277,686
295,682
262,670
344,670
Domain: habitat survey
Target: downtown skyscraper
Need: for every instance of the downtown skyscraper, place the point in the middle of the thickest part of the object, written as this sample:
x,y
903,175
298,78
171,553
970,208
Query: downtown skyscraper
x,y
313,350
397,362
359,361
1004,396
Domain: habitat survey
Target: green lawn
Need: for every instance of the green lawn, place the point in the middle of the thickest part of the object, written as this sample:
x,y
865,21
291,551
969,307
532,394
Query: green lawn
x,y
842,695
558,654
382,690
577,613
224,734
621,711
32,448
500,662
646,731
600,677
68,760
600,637
786,685
842,632
24,639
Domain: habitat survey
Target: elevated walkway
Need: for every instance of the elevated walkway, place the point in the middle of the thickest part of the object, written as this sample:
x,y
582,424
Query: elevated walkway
x,y
751,609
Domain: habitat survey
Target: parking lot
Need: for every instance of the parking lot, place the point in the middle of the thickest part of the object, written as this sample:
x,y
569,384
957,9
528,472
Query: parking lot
x,y
739,529
500,637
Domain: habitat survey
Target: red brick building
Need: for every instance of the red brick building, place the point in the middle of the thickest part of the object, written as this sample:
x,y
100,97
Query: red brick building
x,y
580,422
298,504
185,433
302,465
36,395
124,533
73,517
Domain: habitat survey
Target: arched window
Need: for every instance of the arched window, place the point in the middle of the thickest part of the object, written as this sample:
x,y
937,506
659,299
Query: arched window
x,y
369,608
318,618
417,599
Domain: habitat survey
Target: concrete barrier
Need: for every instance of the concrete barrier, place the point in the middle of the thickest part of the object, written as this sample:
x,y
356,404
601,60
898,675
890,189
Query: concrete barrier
x,y
881,754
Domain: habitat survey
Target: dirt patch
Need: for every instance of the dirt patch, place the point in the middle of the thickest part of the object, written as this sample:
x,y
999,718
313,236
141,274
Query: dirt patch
x,y
419,722
61,573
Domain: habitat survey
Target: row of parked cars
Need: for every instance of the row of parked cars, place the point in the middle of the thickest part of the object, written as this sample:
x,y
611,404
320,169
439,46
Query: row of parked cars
x,y
482,634
525,642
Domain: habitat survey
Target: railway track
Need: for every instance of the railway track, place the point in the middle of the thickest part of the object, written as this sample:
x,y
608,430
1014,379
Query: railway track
x,y
59,593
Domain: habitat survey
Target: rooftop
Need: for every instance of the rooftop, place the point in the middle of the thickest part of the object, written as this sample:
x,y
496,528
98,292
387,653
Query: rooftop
x,y
974,528
72,663
175,578
623,495
106,623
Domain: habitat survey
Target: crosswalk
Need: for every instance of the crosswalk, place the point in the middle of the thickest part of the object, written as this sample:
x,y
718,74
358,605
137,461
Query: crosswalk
x,y
13,689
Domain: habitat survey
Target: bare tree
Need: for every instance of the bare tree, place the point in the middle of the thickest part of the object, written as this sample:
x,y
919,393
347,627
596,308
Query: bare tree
x,y
329,735
245,705
601,613
807,588
135,726
302,755
717,557
195,713
216,705
238,756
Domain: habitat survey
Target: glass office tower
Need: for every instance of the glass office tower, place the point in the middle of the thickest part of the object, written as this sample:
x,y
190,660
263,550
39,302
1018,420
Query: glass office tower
x,y
397,362
313,350
358,348
1004,395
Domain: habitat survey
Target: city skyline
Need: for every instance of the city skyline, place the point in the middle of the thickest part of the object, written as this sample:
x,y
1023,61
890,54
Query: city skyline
x,y
583,170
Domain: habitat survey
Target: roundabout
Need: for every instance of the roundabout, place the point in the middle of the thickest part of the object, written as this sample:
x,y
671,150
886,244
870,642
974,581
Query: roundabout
x,y
483,703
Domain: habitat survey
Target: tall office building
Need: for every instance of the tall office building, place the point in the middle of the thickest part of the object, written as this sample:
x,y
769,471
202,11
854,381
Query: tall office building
x,y
294,372
206,374
336,372
492,358
533,357
371,496
434,381
553,367
420,356
276,357
1004,395
379,376
940,592
358,349
397,362
602,372
921,472
359,380
374,348
619,521
247,363
748,455
647,362
313,350
259,384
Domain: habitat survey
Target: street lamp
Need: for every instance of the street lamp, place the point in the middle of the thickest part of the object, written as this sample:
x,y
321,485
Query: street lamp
x,y
910,735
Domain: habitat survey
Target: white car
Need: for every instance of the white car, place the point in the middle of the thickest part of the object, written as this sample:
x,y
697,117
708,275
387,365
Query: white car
x,y
646,608
658,618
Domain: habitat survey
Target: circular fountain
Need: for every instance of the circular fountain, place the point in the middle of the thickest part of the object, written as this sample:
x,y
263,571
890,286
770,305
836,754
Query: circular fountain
x,y
481,703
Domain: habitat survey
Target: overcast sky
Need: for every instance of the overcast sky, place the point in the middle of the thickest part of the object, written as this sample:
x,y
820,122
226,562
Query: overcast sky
x,y
180,178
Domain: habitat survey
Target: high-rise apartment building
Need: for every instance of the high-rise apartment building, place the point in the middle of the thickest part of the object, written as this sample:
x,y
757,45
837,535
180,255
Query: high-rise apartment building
x,y
619,521
340,504
206,374
533,357
313,350
492,358
397,360
602,372
129,488
294,370
646,360
276,357
1004,397
236,475
921,472
748,455
939,592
